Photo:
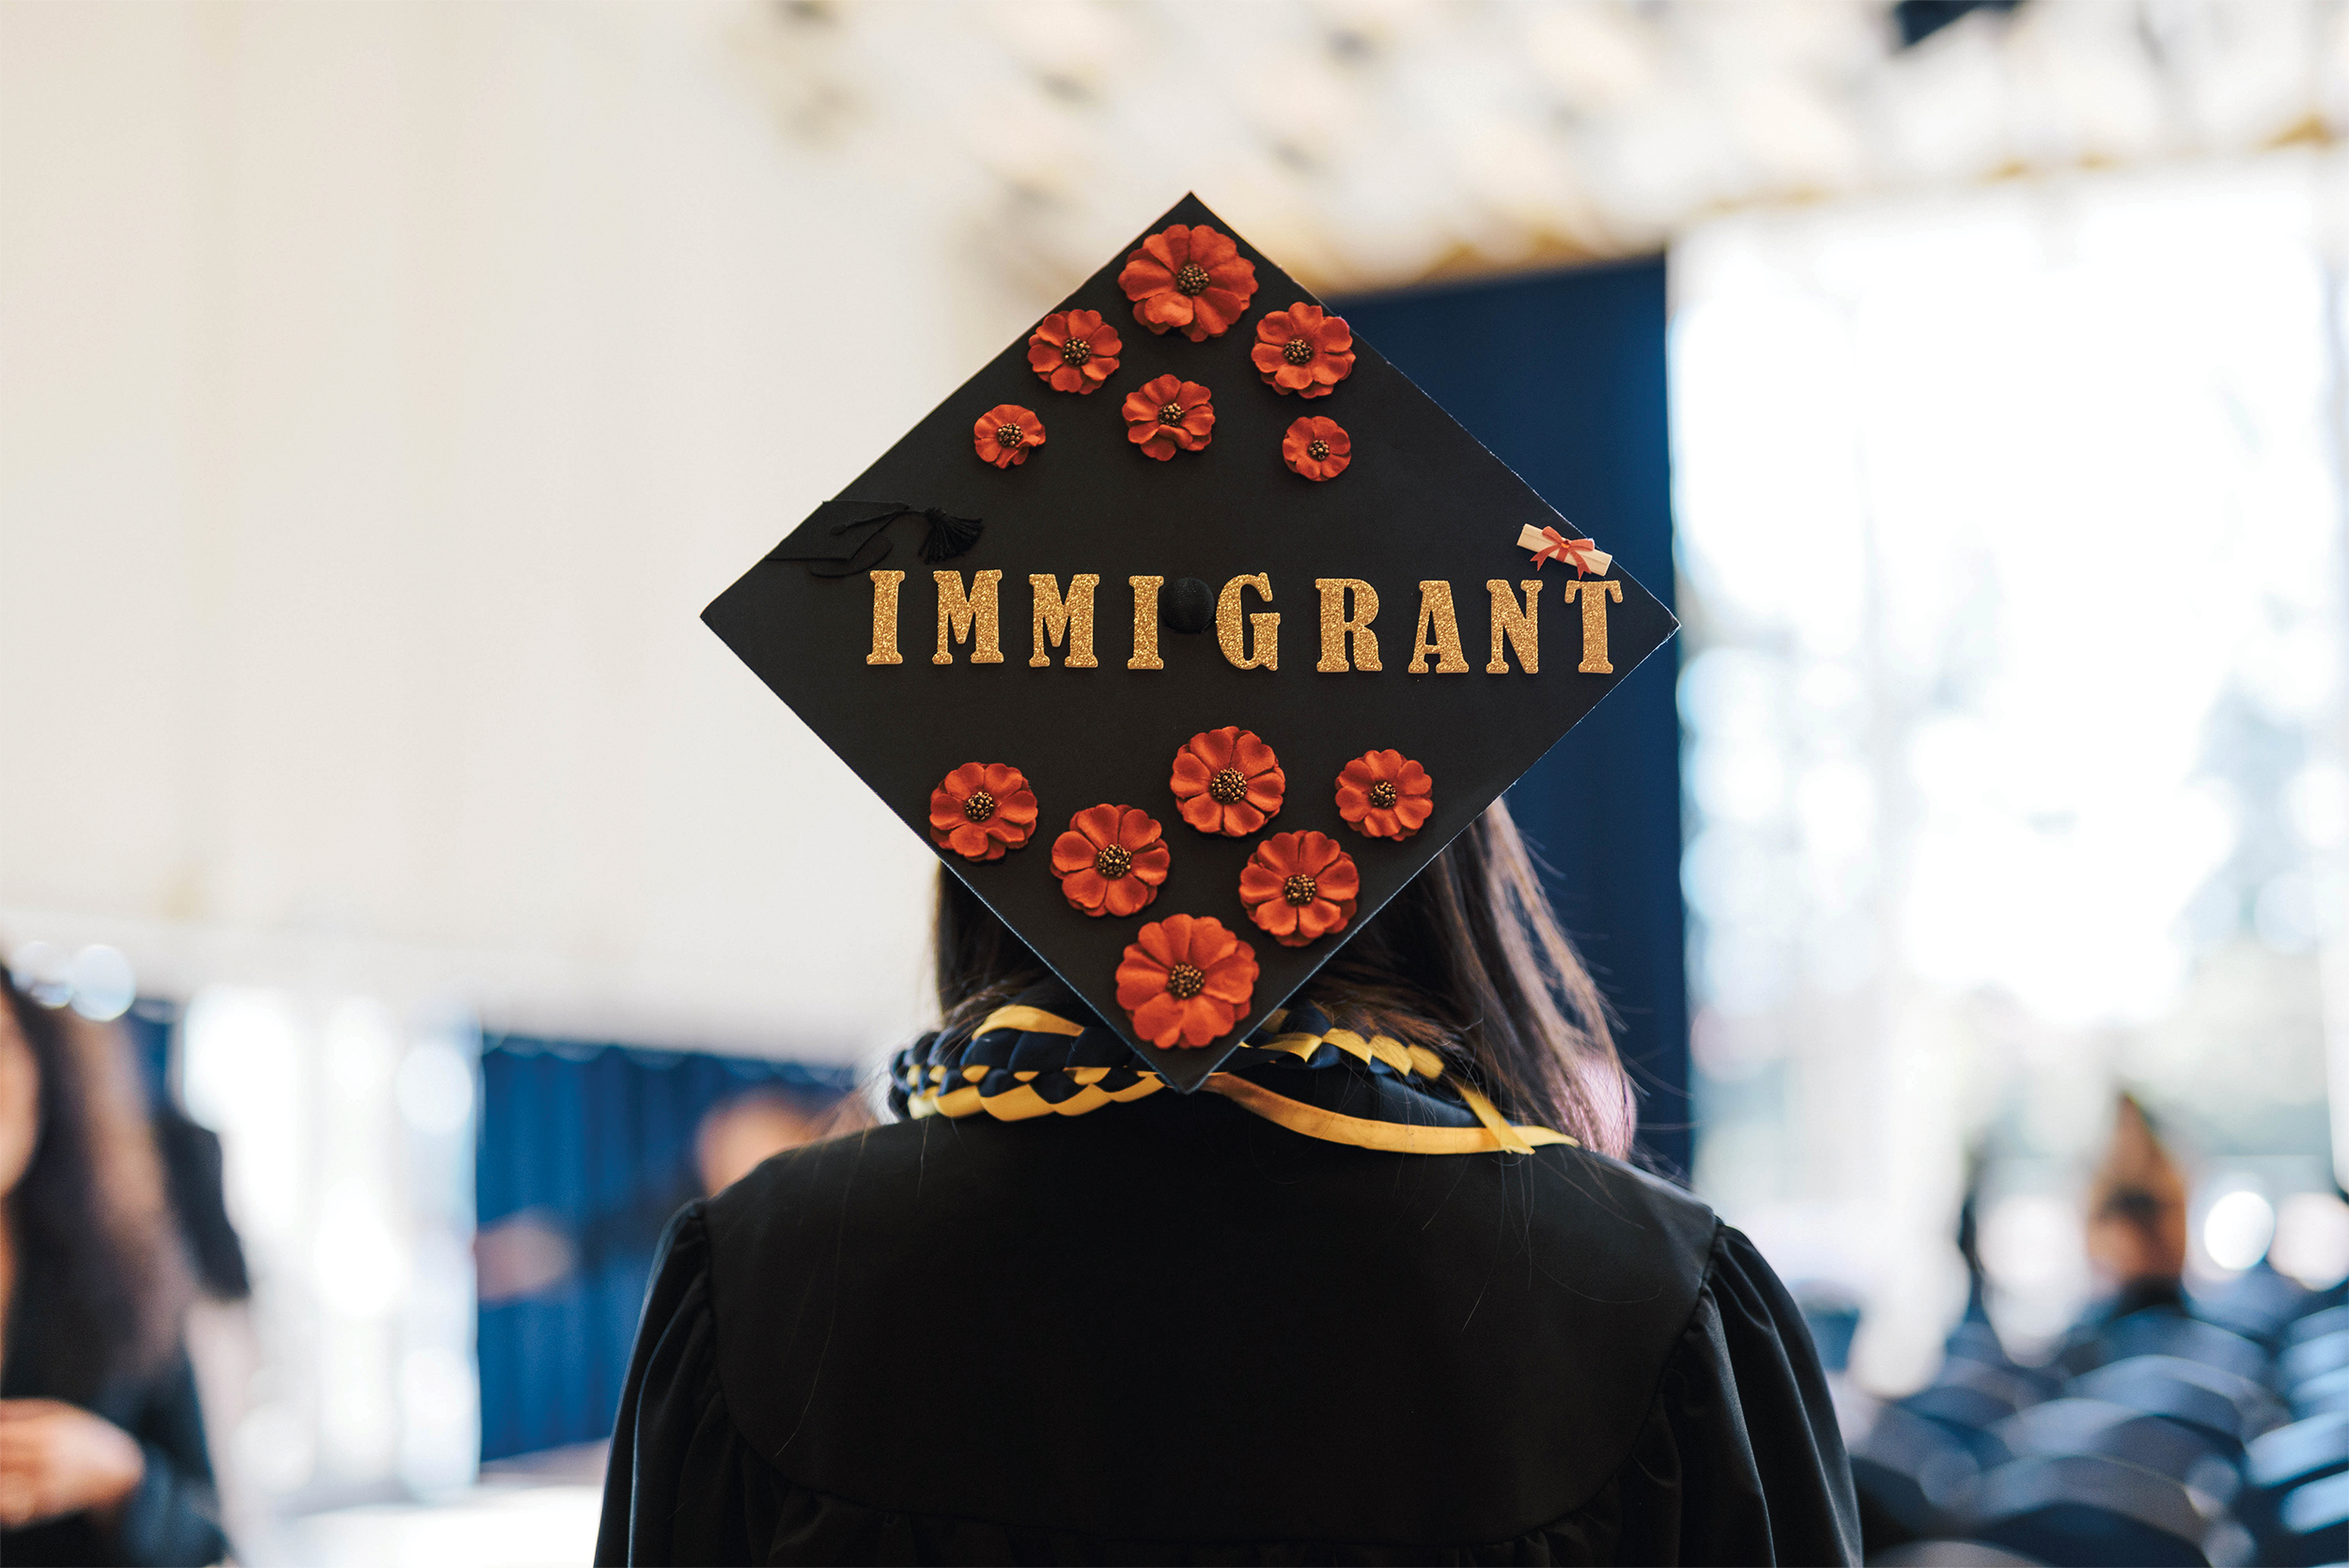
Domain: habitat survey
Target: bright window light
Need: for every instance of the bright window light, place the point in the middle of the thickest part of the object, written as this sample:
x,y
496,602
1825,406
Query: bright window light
x,y
2011,542
2237,1228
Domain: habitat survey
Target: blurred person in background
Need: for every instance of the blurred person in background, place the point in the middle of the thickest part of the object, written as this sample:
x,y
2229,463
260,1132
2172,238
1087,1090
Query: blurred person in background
x,y
102,1458
2137,1217
536,1251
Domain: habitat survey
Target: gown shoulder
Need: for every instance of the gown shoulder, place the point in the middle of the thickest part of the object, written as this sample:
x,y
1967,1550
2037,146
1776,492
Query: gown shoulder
x,y
1181,1334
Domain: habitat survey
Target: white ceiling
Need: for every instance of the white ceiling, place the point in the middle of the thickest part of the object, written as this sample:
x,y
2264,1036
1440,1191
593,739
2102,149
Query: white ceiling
x,y
1378,142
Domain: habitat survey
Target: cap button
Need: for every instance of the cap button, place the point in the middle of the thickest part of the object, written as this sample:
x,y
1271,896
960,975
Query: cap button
x,y
1190,605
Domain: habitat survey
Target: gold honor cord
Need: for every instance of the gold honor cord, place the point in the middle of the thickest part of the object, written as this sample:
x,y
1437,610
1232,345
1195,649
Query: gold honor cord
x,y
1497,1135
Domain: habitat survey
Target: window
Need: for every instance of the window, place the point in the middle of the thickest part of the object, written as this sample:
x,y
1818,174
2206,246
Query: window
x,y
2011,532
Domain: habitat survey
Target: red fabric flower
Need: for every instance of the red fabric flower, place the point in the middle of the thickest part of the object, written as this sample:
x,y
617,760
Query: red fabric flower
x,y
1189,277
1385,795
1317,448
1299,887
1074,351
1228,781
1170,415
1111,860
1005,434
1303,349
1184,981
982,809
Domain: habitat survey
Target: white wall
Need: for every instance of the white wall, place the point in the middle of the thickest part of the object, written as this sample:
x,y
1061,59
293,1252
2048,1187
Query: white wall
x,y
383,391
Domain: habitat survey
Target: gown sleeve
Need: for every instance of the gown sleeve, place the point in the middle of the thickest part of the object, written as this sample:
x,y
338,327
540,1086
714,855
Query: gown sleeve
x,y
1740,1460
673,1435
171,1518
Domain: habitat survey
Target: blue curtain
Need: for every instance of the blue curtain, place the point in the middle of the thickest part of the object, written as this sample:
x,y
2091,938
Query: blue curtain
x,y
1561,376
596,1142
148,1026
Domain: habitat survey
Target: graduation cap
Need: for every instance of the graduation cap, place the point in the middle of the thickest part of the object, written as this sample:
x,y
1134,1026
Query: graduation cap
x,y
1186,632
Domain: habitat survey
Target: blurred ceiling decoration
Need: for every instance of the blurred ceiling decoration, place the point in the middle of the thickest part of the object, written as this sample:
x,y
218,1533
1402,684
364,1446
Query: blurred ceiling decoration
x,y
1919,20
1376,143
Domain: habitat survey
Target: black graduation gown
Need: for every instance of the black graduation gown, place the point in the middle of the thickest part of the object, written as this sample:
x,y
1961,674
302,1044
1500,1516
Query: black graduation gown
x,y
173,1517
1171,1331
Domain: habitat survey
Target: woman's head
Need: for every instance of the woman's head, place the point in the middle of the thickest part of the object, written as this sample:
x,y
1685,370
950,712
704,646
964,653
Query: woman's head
x,y
95,1244
1468,959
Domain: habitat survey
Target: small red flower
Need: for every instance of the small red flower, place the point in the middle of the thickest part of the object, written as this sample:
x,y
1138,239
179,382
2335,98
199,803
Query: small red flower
x,y
1228,781
1317,448
1074,351
1385,795
1184,981
1005,433
1190,278
1303,349
1170,415
1111,860
982,809
1299,887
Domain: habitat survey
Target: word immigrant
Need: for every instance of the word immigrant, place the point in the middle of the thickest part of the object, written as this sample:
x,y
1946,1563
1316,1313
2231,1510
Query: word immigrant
x,y
972,616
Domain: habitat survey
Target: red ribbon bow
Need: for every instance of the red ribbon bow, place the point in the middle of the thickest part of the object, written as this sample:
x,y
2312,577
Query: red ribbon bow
x,y
1574,552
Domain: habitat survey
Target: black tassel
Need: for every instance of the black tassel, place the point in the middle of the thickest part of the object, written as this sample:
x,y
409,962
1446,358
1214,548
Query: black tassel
x,y
949,536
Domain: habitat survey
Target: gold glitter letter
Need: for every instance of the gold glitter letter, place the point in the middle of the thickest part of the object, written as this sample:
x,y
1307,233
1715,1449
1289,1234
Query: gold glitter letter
x,y
1268,624
1522,628
885,617
1435,612
958,614
1145,623
1335,624
1057,620
1596,593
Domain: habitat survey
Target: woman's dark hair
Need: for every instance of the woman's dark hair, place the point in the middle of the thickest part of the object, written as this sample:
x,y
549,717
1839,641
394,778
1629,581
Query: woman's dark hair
x,y
1468,960
100,1276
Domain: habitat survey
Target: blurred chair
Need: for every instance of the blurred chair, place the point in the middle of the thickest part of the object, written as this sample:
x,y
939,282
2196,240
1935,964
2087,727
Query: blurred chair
x,y
1914,1477
2302,1452
1832,1315
1950,1555
2160,1333
2316,1326
2315,1520
2151,1443
2323,1393
2090,1509
2260,1304
1971,1397
2209,1399
2309,1359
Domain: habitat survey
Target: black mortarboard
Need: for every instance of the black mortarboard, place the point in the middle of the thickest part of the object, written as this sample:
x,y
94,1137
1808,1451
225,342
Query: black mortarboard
x,y
1110,547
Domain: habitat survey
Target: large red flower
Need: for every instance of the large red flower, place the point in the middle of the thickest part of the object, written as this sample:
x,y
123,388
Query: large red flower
x,y
1385,795
1317,448
1184,981
1006,433
1299,887
1228,781
1111,860
1170,415
982,809
1303,349
1189,277
1074,351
